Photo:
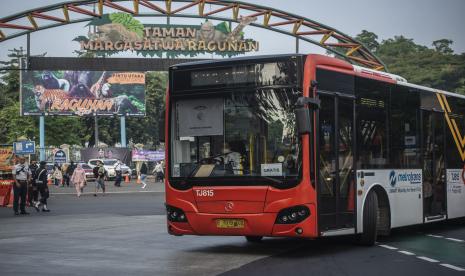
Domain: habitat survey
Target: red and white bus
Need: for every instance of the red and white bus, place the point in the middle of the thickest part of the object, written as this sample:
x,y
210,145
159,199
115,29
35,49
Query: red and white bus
x,y
308,146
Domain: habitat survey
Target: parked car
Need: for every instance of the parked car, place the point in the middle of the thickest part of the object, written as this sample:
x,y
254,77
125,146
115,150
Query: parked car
x,y
109,166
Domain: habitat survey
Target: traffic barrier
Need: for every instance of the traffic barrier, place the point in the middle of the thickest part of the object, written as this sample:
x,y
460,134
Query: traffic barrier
x,y
12,197
126,179
5,191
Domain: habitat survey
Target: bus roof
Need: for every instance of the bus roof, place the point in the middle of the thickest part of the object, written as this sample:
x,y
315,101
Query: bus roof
x,y
361,71
226,61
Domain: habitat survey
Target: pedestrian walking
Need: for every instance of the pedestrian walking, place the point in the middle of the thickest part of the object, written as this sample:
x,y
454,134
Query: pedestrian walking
x,y
57,174
64,168
41,181
69,172
100,176
143,174
119,173
159,172
32,192
21,176
78,178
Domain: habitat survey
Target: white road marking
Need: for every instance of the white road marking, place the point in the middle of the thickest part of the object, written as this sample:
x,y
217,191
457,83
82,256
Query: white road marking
x,y
442,237
456,268
388,247
428,259
453,267
456,240
435,236
406,252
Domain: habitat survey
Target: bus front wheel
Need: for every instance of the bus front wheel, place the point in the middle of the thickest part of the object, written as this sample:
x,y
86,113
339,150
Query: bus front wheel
x,y
370,218
254,238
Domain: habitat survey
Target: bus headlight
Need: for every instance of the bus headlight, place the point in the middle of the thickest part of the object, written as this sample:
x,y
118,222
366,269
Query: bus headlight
x,y
175,214
292,215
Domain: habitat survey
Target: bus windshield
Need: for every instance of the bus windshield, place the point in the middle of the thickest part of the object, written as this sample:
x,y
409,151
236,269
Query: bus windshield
x,y
239,134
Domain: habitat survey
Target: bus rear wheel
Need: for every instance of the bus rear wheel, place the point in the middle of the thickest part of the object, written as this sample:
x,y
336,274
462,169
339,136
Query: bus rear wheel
x,y
254,238
370,218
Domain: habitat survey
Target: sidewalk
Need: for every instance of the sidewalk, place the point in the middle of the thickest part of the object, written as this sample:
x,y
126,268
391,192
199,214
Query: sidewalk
x,y
131,187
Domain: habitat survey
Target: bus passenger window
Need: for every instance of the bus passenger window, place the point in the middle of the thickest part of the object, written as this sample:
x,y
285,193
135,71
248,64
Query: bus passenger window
x,y
372,121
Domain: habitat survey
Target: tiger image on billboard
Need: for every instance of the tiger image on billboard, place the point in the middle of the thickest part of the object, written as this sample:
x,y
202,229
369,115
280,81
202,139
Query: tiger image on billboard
x,y
82,93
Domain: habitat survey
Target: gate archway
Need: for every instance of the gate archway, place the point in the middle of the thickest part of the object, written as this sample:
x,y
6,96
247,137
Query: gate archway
x,y
300,27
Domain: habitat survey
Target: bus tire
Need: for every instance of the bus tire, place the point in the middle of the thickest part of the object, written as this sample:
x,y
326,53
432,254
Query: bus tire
x,y
370,218
254,239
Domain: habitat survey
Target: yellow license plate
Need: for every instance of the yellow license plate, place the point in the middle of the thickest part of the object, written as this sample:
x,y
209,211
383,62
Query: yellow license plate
x,y
230,223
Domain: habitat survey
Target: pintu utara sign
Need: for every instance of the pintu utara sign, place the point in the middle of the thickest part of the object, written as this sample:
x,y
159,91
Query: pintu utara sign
x,y
118,32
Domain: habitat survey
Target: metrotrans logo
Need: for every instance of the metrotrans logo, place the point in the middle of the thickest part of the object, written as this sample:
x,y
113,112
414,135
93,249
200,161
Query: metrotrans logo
x,y
396,177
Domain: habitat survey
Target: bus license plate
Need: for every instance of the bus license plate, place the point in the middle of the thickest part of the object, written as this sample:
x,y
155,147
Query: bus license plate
x,y
230,223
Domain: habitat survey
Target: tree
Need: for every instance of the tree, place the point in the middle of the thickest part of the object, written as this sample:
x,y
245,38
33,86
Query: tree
x,y
369,39
14,126
9,80
438,68
443,46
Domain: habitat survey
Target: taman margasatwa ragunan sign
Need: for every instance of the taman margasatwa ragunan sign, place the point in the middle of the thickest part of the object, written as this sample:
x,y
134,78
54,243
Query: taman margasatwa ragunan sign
x,y
116,32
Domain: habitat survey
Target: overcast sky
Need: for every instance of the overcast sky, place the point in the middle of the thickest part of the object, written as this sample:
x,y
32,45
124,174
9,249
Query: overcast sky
x,y
422,20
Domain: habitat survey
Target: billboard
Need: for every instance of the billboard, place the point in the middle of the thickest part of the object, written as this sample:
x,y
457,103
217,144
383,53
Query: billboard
x,y
121,32
148,155
82,93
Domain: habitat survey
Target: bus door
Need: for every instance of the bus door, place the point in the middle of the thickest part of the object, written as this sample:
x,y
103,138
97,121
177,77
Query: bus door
x,y
336,186
433,153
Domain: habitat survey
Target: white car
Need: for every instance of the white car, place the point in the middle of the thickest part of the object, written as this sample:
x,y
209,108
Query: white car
x,y
109,166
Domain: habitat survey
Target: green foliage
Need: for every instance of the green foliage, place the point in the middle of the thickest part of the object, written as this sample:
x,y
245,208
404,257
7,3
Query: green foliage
x,y
14,126
9,73
437,68
443,46
129,22
368,39
81,38
99,21
223,27
63,130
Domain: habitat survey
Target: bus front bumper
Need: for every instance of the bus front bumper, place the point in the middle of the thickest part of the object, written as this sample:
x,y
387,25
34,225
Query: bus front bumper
x,y
262,224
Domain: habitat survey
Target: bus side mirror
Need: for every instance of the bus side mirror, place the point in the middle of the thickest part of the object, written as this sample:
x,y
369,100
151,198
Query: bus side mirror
x,y
161,127
302,119
302,114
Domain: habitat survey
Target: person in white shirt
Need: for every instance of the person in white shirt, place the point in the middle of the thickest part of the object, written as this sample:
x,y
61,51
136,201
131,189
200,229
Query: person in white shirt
x,y
119,173
159,176
232,159
22,176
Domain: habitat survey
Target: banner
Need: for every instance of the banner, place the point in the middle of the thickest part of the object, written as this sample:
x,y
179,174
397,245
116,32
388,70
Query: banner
x,y
148,155
82,93
7,160
122,154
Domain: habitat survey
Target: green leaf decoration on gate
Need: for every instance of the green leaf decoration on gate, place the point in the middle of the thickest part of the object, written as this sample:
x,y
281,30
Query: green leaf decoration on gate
x,y
223,27
131,24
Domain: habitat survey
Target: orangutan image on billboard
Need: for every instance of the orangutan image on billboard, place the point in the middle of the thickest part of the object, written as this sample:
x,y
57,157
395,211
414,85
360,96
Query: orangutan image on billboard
x,y
83,93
